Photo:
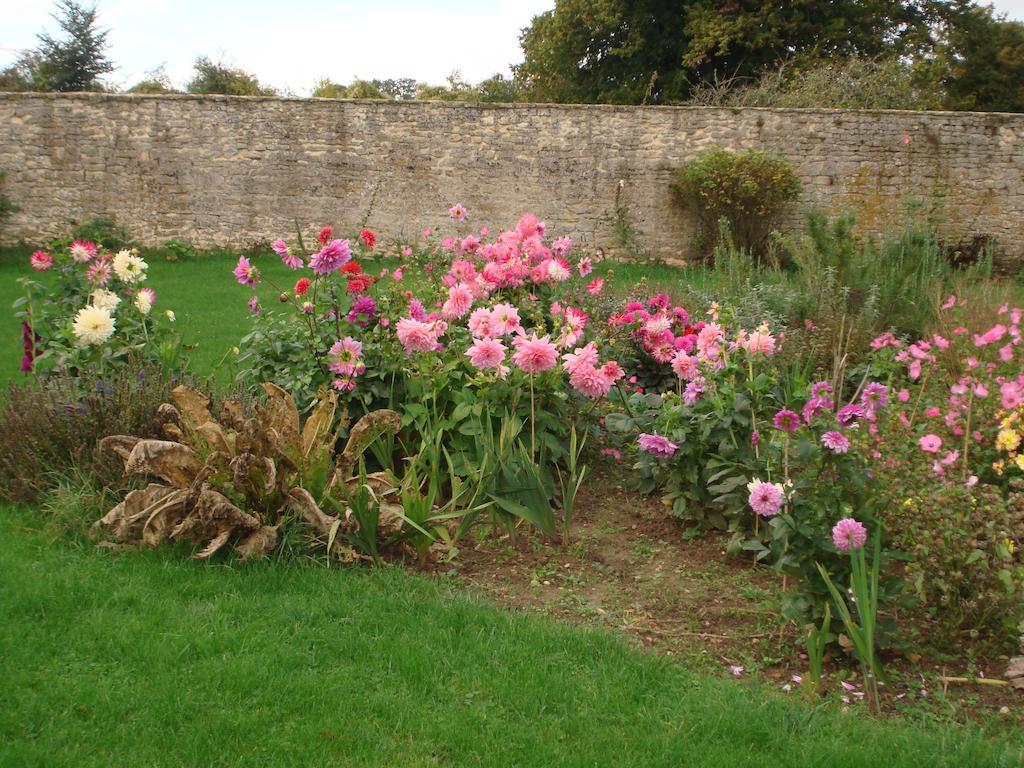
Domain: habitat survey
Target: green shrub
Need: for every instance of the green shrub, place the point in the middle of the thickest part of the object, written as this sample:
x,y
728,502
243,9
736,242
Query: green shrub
x,y
852,83
965,560
104,231
747,189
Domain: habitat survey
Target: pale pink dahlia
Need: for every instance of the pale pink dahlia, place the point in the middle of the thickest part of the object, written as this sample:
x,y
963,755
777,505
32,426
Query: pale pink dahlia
x,y
83,251
346,357
849,534
460,299
416,336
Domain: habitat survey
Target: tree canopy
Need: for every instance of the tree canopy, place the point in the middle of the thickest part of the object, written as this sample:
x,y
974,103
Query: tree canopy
x,y
73,61
662,51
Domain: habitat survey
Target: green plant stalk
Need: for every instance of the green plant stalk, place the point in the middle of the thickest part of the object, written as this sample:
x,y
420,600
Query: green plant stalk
x,y
862,635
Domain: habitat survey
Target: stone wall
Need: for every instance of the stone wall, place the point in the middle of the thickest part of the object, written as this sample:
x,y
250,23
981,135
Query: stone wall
x,y
229,170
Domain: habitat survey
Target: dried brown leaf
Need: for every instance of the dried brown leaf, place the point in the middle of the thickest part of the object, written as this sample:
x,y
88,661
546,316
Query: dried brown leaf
x,y
317,429
119,444
174,463
364,432
194,405
259,543
280,415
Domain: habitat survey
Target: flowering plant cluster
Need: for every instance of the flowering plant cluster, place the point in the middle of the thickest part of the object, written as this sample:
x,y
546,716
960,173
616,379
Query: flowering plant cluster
x,y
92,311
950,463
459,335
724,448
960,393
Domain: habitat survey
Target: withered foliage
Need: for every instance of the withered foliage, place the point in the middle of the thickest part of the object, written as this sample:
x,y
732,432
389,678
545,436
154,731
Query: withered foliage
x,y
233,480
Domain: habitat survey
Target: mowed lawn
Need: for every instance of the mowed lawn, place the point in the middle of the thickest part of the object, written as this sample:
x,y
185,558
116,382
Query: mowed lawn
x,y
148,659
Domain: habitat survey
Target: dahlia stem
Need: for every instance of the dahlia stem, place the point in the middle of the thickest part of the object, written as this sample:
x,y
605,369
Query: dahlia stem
x,y
533,431
967,428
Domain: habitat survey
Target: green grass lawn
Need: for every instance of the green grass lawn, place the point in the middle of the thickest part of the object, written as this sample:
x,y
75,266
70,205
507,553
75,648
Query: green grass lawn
x,y
147,659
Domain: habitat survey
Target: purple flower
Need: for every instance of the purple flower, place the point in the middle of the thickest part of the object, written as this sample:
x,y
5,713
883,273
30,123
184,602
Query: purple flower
x,y
416,310
821,389
850,414
849,534
787,421
332,256
694,390
874,397
815,406
657,444
254,305
836,441
363,312
755,438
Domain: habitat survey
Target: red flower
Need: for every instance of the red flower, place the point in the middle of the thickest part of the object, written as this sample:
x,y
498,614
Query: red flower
x,y
368,237
352,268
301,286
325,235
359,283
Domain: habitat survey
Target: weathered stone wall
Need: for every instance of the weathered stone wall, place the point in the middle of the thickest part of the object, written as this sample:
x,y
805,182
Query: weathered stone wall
x,y
228,170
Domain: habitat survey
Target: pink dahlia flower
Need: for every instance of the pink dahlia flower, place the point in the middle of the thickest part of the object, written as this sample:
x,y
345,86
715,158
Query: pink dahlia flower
x,y
533,354
334,255
930,443
835,441
787,421
40,261
417,336
83,251
346,357
849,534
765,499
245,273
280,247
657,444
460,299
486,353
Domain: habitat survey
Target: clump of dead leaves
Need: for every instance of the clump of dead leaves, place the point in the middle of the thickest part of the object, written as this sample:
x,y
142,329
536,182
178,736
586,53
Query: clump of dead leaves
x,y
236,479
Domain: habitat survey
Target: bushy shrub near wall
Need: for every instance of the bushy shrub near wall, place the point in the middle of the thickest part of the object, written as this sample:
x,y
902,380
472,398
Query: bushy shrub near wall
x,y
747,189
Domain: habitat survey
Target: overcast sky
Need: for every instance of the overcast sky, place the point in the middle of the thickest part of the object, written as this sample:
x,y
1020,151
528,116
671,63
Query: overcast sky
x,y
291,45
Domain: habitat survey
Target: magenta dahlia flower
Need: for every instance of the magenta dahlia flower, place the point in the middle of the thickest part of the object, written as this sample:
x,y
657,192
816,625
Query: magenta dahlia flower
x,y
787,421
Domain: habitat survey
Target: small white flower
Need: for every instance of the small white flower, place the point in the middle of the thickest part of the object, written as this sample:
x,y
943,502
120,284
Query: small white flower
x,y
105,300
129,268
143,302
93,325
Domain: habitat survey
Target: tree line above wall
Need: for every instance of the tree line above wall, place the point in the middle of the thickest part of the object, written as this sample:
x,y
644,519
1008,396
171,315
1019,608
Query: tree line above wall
x,y
884,54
